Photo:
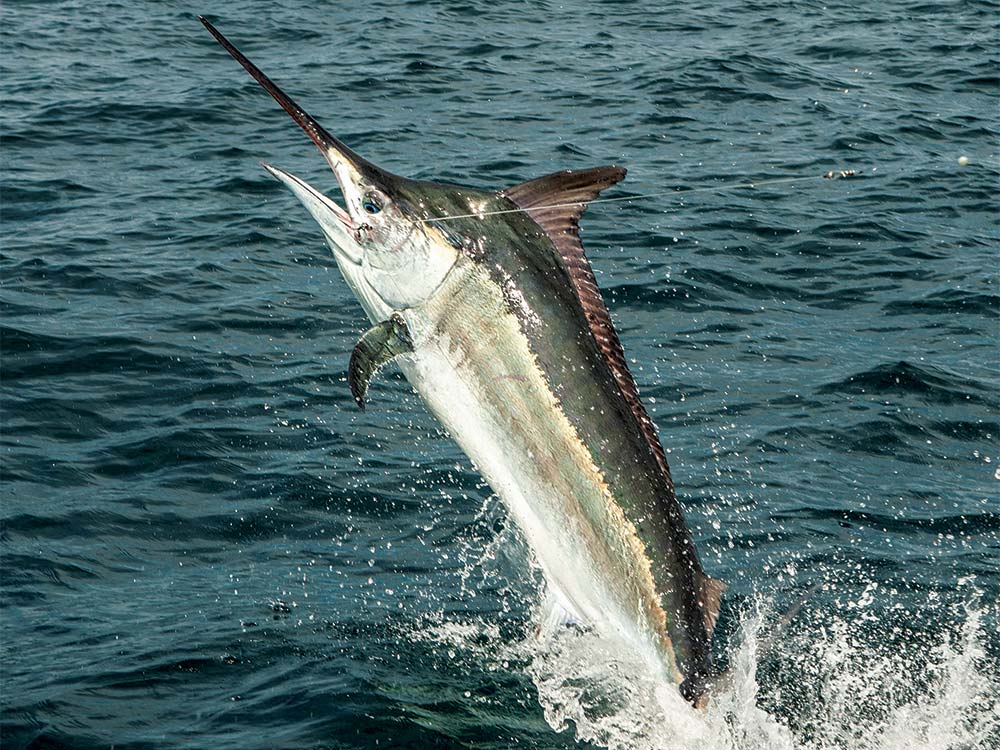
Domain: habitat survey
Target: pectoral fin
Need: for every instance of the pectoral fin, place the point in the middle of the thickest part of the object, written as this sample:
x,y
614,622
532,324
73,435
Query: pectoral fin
x,y
380,344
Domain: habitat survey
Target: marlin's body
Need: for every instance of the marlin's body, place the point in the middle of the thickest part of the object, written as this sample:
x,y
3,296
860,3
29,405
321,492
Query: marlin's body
x,y
497,322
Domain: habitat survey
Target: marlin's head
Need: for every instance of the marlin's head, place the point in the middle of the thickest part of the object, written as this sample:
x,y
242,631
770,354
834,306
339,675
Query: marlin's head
x,y
391,257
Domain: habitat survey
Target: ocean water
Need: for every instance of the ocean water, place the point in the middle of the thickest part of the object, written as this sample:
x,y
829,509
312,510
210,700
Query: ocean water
x,y
206,545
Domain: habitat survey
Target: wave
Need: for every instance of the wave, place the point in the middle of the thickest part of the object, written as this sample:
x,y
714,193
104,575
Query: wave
x,y
929,383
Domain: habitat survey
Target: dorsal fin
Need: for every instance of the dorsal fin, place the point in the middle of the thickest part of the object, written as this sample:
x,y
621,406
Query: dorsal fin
x,y
556,203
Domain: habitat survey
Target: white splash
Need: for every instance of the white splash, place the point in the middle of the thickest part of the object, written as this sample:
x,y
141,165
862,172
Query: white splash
x,y
842,691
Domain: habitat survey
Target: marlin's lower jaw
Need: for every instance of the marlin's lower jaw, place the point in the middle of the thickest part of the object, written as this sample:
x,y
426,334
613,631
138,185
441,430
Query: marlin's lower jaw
x,y
335,221
339,231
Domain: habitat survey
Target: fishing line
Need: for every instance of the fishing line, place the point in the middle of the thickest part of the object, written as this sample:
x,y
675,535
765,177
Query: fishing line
x,y
832,175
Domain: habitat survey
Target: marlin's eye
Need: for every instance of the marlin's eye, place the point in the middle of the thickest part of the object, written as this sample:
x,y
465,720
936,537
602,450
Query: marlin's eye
x,y
371,203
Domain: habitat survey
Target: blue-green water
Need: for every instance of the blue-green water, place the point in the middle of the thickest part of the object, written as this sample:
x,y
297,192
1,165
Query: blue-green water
x,y
205,544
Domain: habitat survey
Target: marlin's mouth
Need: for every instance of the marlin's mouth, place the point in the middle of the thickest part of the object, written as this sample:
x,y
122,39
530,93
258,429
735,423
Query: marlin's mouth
x,y
342,216
348,167
334,220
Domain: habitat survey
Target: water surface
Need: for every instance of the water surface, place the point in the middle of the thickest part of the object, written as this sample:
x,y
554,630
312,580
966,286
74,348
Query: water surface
x,y
205,544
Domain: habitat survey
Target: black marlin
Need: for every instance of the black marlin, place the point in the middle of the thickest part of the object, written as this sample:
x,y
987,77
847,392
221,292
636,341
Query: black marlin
x,y
495,318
